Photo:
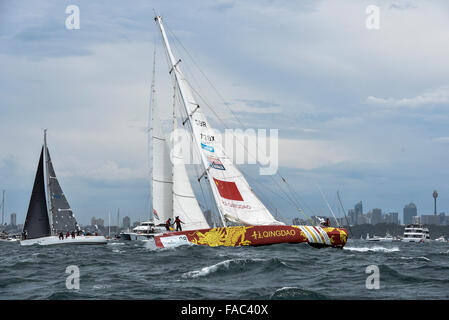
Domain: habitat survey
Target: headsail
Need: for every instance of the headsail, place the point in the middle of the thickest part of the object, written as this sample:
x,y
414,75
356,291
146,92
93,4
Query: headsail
x,y
62,216
37,224
235,199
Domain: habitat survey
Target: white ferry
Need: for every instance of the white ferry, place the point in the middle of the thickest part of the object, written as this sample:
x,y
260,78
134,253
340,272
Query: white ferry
x,y
416,232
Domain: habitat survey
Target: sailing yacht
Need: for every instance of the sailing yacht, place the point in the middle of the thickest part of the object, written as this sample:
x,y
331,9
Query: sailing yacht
x,y
144,231
43,228
387,238
245,221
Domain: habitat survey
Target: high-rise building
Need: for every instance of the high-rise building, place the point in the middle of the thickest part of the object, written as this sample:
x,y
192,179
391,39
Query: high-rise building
x,y
410,211
376,216
358,209
99,222
13,219
392,217
430,219
352,217
443,219
126,222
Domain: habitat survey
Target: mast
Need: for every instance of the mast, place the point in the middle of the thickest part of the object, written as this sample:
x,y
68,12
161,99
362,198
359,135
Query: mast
x,y
109,223
344,212
3,209
150,136
118,220
183,94
47,180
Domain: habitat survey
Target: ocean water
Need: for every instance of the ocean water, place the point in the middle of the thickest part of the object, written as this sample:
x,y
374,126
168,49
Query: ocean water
x,y
138,270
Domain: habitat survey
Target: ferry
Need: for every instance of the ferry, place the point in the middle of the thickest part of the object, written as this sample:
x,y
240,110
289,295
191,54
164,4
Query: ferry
x,y
416,232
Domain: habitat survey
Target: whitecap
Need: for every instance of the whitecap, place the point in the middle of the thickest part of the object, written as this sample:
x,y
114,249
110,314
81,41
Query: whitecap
x,y
116,244
219,266
372,249
417,258
207,270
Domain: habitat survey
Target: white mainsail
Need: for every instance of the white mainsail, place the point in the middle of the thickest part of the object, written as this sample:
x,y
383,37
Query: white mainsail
x,y
185,204
172,193
235,199
161,179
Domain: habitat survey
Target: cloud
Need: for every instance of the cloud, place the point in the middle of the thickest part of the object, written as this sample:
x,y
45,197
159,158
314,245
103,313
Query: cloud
x,y
257,106
427,99
442,139
279,64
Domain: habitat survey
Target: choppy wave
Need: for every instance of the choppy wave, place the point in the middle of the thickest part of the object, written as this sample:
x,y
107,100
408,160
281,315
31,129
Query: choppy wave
x,y
133,270
372,249
235,265
416,258
295,293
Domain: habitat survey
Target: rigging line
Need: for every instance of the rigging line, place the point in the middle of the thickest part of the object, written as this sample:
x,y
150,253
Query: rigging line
x,y
324,197
217,92
206,201
344,212
246,149
268,202
300,200
223,122
205,76
266,188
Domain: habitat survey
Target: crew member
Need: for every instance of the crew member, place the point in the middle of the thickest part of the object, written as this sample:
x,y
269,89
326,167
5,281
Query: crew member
x,y
178,224
168,224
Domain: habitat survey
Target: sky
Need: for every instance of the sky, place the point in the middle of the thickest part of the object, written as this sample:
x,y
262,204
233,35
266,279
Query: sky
x,y
360,111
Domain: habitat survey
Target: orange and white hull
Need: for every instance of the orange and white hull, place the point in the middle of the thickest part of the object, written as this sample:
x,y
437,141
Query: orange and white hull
x,y
255,236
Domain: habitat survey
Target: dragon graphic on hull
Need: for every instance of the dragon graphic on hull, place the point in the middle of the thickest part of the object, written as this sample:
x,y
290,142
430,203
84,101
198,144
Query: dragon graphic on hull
x,y
255,236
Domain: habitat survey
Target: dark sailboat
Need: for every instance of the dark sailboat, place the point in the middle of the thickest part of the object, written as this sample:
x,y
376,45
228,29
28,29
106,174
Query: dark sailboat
x,y
38,229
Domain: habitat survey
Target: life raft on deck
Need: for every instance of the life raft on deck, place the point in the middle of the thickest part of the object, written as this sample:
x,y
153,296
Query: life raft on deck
x,y
255,236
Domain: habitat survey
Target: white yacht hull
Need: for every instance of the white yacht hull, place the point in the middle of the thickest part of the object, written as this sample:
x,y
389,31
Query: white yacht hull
x,y
54,240
414,240
136,236
9,240
381,240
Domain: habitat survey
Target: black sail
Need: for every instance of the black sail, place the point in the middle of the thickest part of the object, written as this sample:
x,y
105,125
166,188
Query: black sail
x,y
63,219
36,223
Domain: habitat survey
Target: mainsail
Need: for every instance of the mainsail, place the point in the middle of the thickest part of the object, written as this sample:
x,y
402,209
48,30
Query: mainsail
x,y
172,193
62,216
162,181
235,199
36,222
185,204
